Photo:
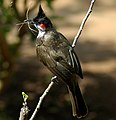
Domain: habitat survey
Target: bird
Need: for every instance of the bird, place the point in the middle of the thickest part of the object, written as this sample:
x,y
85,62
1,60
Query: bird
x,y
56,53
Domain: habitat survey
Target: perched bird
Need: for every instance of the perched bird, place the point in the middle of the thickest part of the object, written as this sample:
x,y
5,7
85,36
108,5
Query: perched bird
x,y
57,54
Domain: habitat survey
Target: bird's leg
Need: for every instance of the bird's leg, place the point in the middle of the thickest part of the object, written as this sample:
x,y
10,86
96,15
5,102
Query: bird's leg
x,y
54,79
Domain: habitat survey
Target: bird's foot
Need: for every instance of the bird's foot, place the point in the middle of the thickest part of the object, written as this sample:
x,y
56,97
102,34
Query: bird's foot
x,y
54,79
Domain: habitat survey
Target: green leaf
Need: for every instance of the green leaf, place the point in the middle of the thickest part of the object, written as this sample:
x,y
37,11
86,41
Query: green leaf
x,y
25,96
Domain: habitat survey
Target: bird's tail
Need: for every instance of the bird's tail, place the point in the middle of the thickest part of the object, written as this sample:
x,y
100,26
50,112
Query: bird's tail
x,y
79,107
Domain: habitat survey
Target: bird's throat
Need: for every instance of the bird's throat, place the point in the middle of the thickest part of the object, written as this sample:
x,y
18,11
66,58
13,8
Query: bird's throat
x,y
40,34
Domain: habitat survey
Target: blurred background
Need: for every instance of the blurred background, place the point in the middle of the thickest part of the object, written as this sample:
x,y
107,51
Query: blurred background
x,y
21,71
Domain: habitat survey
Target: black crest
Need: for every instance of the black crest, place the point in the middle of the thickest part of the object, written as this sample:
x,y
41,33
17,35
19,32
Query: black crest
x,y
40,15
41,18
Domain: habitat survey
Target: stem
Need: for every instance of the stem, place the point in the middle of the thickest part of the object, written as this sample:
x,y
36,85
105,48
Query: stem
x,y
83,23
24,112
41,99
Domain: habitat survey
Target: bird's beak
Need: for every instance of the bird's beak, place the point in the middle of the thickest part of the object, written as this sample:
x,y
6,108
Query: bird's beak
x,y
29,21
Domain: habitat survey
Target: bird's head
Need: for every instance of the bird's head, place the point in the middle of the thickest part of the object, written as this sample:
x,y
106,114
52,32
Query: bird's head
x,y
41,22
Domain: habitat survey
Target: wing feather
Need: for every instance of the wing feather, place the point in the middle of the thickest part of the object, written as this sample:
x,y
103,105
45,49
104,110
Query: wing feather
x,y
73,59
76,64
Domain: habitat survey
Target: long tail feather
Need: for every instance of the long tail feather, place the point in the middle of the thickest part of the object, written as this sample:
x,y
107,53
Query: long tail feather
x,y
79,107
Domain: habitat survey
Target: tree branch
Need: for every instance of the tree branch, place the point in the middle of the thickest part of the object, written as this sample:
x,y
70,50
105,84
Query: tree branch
x,y
24,110
42,97
83,23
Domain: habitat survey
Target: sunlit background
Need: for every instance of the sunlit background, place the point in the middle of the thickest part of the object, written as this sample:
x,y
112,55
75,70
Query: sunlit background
x,y
20,69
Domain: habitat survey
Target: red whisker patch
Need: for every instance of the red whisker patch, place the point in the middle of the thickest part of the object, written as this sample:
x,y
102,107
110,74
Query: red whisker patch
x,y
42,26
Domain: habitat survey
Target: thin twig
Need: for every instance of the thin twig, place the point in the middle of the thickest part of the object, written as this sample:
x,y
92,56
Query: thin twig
x,y
21,25
27,13
41,99
24,112
83,23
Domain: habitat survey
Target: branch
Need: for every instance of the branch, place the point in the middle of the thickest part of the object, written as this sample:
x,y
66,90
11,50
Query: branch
x,y
42,97
83,23
24,110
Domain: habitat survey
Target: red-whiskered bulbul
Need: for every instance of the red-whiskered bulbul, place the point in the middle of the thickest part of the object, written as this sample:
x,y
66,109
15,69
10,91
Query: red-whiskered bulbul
x,y
57,54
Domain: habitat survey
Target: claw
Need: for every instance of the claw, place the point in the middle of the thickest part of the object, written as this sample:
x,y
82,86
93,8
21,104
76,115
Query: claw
x,y
54,79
